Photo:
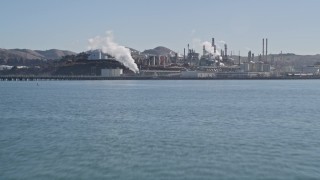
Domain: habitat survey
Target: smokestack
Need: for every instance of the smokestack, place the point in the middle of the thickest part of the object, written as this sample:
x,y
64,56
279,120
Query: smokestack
x,y
266,49
188,49
184,53
214,46
239,59
226,51
263,48
260,57
204,50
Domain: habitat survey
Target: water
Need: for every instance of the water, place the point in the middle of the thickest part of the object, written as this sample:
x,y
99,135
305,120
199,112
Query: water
x,y
160,130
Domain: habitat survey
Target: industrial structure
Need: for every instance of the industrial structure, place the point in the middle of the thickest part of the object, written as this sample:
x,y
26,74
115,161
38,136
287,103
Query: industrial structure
x,y
111,72
211,63
214,61
99,55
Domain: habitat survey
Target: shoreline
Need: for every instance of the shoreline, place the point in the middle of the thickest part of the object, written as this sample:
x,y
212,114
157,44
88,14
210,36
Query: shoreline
x,y
72,78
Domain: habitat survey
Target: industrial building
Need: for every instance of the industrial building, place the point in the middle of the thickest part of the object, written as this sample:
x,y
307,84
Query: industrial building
x,y
213,63
197,74
154,60
242,75
98,55
111,72
214,58
192,57
314,70
255,67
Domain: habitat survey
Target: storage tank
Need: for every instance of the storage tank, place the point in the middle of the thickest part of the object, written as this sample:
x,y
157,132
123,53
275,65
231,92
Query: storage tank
x,y
266,68
252,67
259,67
245,67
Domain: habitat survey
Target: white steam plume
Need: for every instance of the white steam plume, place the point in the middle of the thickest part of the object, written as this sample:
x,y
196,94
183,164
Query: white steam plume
x,y
210,49
120,53
198,44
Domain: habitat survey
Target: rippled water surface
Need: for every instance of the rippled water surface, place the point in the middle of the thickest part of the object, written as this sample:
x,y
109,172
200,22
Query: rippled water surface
x,y
160,129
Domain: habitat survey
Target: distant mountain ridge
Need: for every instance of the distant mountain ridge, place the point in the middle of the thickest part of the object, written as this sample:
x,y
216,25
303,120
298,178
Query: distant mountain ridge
x,y
51,54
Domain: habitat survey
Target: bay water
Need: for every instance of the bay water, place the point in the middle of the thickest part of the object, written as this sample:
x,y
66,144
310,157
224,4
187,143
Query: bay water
x,y
188,129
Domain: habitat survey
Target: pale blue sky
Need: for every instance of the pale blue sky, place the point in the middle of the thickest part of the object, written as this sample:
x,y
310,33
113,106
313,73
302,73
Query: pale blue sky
x,y
290,25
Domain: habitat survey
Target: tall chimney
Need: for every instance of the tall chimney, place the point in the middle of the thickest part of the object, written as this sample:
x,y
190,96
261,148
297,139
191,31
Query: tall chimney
x,y
204,50
184,53
263,49
214,46
239,59
188,49
225,51
266,49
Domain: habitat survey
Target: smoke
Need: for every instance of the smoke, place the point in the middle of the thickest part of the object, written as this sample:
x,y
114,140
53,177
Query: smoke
x,y
210,49
108,46
198,44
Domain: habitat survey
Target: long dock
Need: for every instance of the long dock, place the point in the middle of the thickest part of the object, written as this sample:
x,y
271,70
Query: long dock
x,y
62,78
72,78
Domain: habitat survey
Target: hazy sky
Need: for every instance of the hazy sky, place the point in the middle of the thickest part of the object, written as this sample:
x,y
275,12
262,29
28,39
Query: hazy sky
x,y
290,25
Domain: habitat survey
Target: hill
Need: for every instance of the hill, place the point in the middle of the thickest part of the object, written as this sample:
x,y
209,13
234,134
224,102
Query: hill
x,y
27,54
55,53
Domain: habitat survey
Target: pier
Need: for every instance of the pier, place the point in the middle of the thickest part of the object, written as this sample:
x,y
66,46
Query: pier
x,y
66,78
74,78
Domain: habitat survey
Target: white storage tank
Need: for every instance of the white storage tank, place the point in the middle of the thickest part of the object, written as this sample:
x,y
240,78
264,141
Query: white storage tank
x,y
245,67
111,72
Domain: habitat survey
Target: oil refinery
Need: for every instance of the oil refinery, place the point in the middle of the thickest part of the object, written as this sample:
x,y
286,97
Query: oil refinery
x,y
119,62
212,63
